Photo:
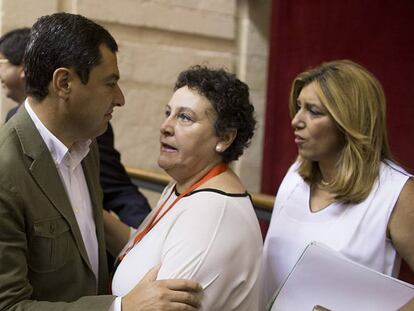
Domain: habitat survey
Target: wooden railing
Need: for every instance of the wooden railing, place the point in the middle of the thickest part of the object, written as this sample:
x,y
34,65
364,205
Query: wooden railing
x,y
156,181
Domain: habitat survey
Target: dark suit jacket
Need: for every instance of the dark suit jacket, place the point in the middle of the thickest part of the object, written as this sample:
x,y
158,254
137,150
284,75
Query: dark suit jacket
x,y
43,261
120,194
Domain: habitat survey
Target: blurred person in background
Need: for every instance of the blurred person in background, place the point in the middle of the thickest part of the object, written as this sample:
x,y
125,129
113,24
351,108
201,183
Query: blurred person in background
x,y
12,46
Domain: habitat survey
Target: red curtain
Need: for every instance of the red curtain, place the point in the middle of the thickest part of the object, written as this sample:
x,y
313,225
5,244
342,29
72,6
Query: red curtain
x,y
379,34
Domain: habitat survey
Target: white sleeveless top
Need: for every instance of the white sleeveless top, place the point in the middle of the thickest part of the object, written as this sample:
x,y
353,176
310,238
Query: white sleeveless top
x,y
358,231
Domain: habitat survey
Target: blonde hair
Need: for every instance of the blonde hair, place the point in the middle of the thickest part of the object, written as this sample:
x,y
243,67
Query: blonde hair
x,y
355,100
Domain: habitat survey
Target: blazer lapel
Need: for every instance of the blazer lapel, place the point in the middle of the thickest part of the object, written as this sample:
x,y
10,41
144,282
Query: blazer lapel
x,y
44,172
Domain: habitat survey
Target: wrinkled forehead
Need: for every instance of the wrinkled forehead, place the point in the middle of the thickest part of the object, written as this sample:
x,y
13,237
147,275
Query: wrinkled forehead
x,y
186,97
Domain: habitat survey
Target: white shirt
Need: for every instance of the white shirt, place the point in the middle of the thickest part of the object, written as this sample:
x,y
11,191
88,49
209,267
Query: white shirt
x,y
209,236
357,231
68,165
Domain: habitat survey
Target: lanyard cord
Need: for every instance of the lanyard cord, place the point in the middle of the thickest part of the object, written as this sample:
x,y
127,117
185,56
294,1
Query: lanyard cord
x,y
216,170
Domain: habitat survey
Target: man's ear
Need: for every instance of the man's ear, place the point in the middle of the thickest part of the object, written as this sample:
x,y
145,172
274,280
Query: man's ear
x,y
226,140
61,82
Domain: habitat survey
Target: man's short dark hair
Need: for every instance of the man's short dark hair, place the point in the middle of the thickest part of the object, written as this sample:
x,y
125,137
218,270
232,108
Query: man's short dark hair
x,y
13,44
230,99
62,40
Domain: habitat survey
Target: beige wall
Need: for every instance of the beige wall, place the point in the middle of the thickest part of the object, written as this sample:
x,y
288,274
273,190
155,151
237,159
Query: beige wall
x,y
158,39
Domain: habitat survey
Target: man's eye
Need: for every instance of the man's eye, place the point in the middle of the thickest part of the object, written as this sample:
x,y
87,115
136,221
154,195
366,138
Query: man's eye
x,y
167,113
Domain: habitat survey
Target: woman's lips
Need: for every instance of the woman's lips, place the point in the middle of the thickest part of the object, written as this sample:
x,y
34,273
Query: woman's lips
x,y
299,139
167,148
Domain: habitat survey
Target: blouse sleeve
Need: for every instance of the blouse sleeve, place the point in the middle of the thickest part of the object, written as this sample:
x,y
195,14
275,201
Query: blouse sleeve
x,y
208,244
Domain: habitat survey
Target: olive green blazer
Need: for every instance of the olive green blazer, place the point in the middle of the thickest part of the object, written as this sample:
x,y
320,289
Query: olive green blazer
x,y
43,260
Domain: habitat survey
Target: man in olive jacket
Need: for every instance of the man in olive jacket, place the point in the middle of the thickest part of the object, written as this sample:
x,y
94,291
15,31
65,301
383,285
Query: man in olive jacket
x,y
52,248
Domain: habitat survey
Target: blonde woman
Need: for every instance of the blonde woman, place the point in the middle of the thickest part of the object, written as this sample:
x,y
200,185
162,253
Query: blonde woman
x,y
344,190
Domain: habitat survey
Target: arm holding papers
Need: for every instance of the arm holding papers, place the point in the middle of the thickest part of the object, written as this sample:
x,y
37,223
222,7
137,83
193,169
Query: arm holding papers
x,y
400,229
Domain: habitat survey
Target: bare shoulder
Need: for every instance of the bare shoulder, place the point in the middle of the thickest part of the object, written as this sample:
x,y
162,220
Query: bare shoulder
x,y
227,182
405,202
401,222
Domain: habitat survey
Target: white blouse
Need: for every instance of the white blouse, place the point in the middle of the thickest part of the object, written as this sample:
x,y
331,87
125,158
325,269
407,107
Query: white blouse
x,y
209,236
358,231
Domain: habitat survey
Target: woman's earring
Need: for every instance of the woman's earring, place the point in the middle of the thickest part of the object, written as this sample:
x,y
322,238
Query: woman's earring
x,y
218,148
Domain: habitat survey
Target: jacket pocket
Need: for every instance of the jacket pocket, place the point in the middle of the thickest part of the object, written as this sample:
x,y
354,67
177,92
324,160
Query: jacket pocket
x,y
48,245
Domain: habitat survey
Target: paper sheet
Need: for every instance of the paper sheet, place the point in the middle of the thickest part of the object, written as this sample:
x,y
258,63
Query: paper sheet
x,y
326,278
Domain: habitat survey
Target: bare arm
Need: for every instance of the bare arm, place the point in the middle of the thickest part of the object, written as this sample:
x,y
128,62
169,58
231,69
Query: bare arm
x,y
400,229
409,306
116,233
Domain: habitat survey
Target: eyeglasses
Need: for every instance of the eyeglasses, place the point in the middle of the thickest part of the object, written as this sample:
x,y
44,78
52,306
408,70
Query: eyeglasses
x,y
4,60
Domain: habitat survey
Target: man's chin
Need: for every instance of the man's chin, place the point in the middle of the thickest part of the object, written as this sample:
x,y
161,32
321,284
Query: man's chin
x,y
102,130
10,96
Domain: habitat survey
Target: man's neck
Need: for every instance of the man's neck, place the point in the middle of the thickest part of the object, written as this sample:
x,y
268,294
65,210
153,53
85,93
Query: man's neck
x,y
48,113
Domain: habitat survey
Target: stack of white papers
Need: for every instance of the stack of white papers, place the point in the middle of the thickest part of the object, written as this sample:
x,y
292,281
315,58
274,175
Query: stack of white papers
x,y
323,277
